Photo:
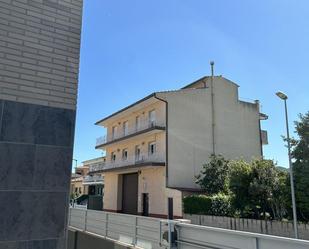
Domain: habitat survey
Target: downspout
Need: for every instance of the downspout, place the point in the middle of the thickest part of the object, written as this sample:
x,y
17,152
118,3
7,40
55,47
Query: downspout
x,y
212,108
257,102
166,138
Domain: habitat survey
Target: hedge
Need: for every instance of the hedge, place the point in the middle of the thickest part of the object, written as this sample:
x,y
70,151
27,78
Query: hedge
x,y
219,205
196,204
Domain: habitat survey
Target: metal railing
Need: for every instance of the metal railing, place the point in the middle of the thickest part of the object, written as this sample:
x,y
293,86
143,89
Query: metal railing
x,y
96,167
146,232
139,231
121,133
135,160
95,179
194,236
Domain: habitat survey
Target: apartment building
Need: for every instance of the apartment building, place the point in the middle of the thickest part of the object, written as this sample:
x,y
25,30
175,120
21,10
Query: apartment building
x,y
156,146
87,184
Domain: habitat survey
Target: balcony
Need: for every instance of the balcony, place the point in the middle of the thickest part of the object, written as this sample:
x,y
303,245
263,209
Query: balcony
x,y
96,179
157,159
121,135
96,167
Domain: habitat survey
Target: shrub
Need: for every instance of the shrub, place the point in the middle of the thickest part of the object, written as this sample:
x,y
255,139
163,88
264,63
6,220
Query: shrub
x,y
197,204
219,204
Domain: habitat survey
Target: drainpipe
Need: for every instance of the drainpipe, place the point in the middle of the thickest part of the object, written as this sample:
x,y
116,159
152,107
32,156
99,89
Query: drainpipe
x,y
213,108
257,102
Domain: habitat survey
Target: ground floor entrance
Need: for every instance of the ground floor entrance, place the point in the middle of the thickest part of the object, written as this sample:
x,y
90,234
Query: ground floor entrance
x,y
130,193
142,192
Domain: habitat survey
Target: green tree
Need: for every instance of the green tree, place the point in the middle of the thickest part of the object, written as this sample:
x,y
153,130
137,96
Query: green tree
x,y
280,203
263,184
214,175
240,179
300,154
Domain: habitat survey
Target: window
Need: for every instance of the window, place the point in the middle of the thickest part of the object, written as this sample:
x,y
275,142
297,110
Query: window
x,y
124,154
76,189
137,153
114,132
80,190
138,123
125,128
152,118
113,157
152,148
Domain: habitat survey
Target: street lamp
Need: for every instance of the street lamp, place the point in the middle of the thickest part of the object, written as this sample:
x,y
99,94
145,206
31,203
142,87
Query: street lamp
x,y
284,97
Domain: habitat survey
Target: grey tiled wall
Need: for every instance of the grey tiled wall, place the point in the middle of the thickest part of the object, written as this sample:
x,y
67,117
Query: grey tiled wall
x,y
36,145
39,60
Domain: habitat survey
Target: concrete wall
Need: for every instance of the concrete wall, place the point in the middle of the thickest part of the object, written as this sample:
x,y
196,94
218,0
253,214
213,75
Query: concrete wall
x,y
39,60
190,129
81,240
284,229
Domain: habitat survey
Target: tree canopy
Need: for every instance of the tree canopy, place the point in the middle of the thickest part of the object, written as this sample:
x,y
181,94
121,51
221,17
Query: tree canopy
x,y
300,154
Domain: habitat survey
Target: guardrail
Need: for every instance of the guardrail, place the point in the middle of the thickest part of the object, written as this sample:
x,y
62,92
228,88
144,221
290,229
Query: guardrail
x,y
194,236
145,232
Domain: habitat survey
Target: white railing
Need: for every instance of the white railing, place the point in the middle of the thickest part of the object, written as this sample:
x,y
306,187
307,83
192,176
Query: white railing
x,y
145,232
95,179
78,206
120,134
194,236
96,167
135,160
100,140
139,231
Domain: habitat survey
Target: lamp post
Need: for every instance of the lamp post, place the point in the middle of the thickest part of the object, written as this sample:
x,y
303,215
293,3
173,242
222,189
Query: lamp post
x,y
284,97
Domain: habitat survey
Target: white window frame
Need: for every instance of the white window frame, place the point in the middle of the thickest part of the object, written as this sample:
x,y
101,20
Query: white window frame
x,y
152,145
137,123
138,155
114,132
113,156
152,117
124,158
125,126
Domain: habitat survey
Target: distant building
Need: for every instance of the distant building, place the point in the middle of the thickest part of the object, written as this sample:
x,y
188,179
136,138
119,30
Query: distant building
x,y
86,184
156,146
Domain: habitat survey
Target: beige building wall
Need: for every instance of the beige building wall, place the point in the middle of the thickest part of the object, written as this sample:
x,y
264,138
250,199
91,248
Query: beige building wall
x,y
190,129
78,183
131,115
112,193
152,181
130,144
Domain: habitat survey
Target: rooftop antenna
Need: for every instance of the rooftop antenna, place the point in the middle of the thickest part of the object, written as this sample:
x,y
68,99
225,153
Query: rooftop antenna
x,y
212,63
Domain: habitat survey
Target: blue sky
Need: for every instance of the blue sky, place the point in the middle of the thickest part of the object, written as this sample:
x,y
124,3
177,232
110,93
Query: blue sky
x,y
133,48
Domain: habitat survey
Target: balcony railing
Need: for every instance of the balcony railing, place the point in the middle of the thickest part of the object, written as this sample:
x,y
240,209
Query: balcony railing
x,y
136,160
121,133
95,178
96,167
